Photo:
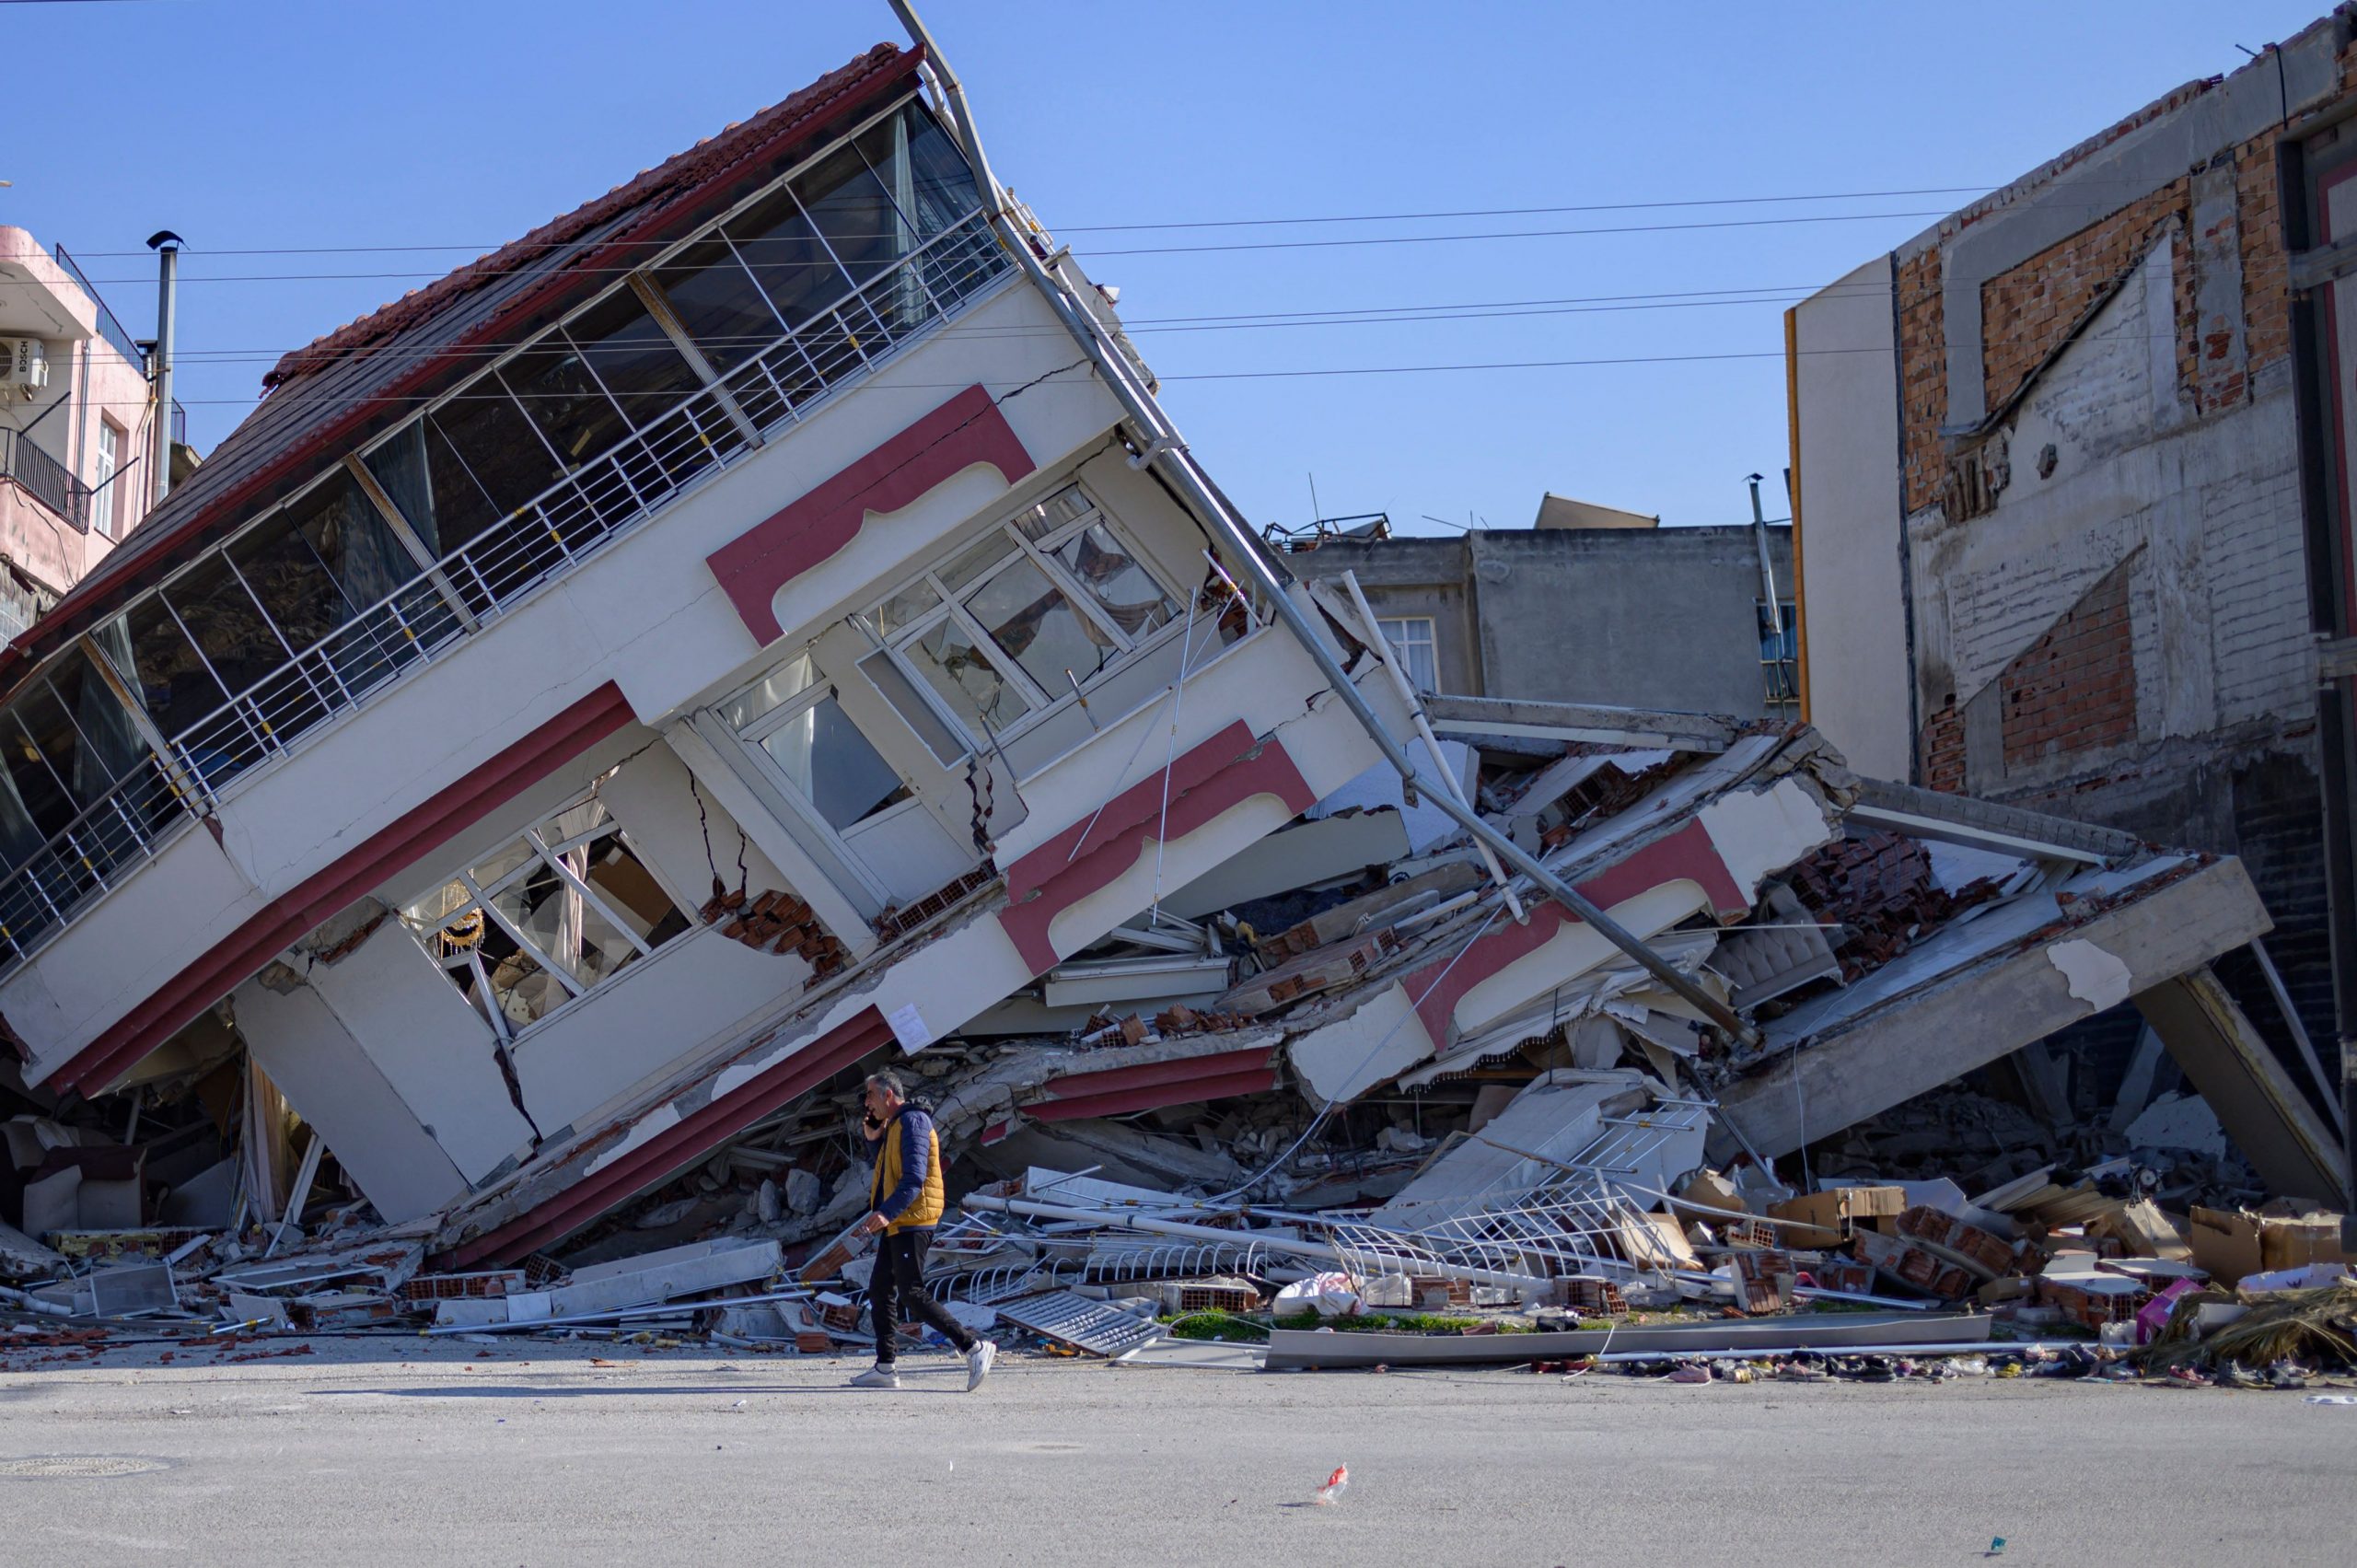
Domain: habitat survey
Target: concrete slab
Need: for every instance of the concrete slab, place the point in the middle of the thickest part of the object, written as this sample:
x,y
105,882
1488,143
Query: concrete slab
x,y
2256,1101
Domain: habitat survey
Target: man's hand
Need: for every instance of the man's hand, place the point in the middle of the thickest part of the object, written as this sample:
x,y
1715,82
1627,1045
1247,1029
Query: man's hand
x,y
871,1224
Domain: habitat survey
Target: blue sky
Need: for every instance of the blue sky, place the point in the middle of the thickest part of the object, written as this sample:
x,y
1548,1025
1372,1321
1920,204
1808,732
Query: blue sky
x,y
286,124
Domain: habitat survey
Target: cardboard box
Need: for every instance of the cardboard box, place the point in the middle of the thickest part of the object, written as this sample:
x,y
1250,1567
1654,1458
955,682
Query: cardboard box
x,y
2280,1235
2143,1231
1832,1214
1711,1191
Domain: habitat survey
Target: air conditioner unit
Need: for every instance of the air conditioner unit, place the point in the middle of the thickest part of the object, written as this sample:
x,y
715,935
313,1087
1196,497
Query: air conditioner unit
x,y
24,366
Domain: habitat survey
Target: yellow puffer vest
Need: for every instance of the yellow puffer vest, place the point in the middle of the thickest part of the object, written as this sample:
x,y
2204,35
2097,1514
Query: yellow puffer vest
x,y
926,1210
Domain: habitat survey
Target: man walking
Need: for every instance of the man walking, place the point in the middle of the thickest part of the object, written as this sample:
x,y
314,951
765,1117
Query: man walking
x,y
904,1195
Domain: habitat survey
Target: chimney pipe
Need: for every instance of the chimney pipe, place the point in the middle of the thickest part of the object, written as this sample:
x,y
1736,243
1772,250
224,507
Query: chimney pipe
x,y
167,246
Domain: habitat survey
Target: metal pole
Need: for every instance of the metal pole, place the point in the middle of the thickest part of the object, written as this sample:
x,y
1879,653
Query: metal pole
x,y
167,246
1167,451
1424,733
1768,590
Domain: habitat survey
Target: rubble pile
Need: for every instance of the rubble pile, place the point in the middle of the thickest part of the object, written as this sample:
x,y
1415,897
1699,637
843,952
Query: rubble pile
x,y
1319,1110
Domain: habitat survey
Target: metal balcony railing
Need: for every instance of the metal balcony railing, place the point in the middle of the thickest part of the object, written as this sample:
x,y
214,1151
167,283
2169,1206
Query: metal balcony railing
x,y
116,834
491,574
109,328
45,478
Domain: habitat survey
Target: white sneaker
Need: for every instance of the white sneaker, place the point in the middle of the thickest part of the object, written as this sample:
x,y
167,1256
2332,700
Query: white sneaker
x,y
877,1377
978,1363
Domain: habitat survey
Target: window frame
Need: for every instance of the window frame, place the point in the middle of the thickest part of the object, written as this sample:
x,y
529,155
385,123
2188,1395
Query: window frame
x,y
822,689
1041,702
545,855
1402,646
109,461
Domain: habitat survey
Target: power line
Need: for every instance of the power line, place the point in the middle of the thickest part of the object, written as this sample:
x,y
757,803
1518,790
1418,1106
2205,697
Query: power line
x,y
187,277
331,400
485,249
1371,316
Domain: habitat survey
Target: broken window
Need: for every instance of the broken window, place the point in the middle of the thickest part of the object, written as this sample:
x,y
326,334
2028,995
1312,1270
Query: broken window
x,y
1046,601
546,918
1414,640
792,717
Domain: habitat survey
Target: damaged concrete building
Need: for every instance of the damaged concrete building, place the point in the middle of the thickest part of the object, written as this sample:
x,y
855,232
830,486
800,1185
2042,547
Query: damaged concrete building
x,y
761,625
1482,613
2072,527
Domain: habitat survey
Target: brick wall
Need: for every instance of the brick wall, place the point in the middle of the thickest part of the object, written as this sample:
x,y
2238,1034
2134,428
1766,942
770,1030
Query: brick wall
x,y
2074,688
1924,376
2028,312
2266,280
1942,749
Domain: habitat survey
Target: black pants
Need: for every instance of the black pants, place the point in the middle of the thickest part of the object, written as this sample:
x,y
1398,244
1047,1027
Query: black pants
x,y
896,1290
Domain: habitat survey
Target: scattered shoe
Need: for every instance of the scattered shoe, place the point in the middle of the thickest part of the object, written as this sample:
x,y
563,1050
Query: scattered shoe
x,y
877,1377
978,1363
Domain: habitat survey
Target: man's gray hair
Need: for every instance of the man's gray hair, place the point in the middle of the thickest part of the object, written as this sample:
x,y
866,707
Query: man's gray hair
x,y
890,1082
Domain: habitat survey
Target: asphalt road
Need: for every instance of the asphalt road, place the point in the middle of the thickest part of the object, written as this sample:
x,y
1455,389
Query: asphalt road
x,y
412,1451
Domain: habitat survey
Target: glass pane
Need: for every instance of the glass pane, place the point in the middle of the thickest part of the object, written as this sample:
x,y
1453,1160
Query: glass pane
x,y
524,992
634,358
937,188
547,911
781,685
834,767
110,749
1028,617
552,382
173,684
319,564
402,468
910,604
718,303
1128,594
507,859
787,259
963,674
38,788
994,548
226,623
1037,522
485,446
436,909
849,205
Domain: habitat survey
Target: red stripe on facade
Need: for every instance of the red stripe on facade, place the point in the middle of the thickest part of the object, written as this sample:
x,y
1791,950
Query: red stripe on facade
x,y
280,922
679,1145
1686,854
1214,777
1256,1081
1119,1090
966,431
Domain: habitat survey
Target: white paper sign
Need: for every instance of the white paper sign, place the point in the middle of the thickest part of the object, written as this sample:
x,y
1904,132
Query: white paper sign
x,y
909,1028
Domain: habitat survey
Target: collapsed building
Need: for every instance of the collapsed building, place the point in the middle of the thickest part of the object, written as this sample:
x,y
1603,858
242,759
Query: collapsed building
x,y
761,625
